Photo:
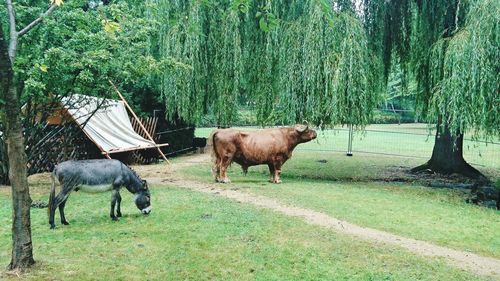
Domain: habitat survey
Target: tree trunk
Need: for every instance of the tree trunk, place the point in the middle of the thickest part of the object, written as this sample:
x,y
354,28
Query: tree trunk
x,y
447,156
22,247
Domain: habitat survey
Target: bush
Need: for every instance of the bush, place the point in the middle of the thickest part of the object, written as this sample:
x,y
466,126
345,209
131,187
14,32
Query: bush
x,y
387,117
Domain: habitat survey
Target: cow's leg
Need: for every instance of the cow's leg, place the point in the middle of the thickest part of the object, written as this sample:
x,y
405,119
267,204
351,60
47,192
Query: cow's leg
x,y
277,173
61,211
226,161
216,169
271,172
61,197
114,198
118,203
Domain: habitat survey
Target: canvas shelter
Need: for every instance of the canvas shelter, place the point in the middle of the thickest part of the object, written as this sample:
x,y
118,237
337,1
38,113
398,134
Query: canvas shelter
x,y
106,123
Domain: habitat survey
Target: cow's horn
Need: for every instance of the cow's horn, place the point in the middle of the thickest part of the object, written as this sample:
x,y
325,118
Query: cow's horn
x,y
307,124
300,128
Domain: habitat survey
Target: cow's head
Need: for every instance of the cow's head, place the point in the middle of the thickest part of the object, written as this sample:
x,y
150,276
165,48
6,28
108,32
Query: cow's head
x,y
305,134
143,199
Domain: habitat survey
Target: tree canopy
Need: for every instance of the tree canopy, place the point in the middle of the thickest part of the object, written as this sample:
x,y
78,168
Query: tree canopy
x,y
452,49
79,48
292,60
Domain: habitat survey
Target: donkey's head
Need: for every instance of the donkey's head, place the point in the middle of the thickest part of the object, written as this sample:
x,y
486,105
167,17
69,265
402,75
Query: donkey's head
x,y
143,199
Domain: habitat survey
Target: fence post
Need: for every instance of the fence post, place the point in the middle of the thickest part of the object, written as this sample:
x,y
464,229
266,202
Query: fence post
x,y
349,145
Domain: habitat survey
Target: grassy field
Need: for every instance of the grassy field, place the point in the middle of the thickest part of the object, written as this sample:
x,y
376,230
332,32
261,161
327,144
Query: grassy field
x,y
411,140
200,237
194,236
341,187
359,190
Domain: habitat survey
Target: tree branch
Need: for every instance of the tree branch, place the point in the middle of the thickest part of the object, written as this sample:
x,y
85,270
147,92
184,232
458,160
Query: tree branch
x,y
456,16
12,30
37,21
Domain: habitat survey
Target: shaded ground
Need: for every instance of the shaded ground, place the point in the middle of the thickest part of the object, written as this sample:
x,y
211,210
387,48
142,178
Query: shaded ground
x,y
476,192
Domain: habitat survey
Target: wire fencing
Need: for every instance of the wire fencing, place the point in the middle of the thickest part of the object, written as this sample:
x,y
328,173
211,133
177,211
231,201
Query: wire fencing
x,y
410,140
406,140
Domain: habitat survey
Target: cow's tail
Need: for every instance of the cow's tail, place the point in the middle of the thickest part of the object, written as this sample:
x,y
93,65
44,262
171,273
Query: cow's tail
x,y
52,191
213,150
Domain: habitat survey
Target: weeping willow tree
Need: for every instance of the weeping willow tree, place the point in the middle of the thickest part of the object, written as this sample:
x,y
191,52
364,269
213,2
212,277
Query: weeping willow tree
x,y
293,60
453,48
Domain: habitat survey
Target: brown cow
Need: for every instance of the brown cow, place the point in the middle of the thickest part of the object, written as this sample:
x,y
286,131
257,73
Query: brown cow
x,y
269,146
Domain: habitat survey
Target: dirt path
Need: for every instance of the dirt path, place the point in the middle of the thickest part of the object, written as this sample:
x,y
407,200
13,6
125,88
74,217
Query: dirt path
x,y
483,266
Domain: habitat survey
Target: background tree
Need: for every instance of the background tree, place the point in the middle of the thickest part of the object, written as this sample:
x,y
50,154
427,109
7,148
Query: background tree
x,y
85,50
452,48
22,246
75,52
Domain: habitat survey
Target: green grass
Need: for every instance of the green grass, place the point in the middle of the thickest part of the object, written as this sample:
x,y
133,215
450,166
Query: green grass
x,y
201,237
343,187
411,140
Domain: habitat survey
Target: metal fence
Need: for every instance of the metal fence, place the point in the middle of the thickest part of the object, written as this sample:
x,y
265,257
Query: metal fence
x,y
413,140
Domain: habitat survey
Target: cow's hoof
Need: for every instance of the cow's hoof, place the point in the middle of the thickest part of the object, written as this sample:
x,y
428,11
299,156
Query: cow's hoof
x,y
65,222
114,218
119,215
53,227
277,181
225,181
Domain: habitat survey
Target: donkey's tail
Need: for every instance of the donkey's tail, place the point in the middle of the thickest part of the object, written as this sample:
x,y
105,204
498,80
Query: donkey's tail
x,y
52,191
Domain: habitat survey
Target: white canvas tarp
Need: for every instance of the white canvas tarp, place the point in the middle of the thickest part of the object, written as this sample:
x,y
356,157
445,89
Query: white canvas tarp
x,y
109,127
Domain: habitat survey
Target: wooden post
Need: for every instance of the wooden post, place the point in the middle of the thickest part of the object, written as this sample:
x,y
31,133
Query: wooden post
x,y
139,121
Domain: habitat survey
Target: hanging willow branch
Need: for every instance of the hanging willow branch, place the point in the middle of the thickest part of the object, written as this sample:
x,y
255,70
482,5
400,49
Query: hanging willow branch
x,y
292,60
467,88
453,50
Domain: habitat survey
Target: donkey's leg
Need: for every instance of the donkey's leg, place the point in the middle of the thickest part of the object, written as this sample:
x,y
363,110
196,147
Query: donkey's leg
x,y
61,211
52,212
118,202
114,198
62,196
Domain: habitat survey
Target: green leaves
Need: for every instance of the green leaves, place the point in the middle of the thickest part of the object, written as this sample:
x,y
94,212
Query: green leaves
x,y
42,67
464,69
242,6
57,2
267,20
288,59
110,26
86,48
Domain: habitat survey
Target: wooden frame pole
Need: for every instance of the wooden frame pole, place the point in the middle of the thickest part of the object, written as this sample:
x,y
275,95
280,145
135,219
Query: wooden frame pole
x,y
138,121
